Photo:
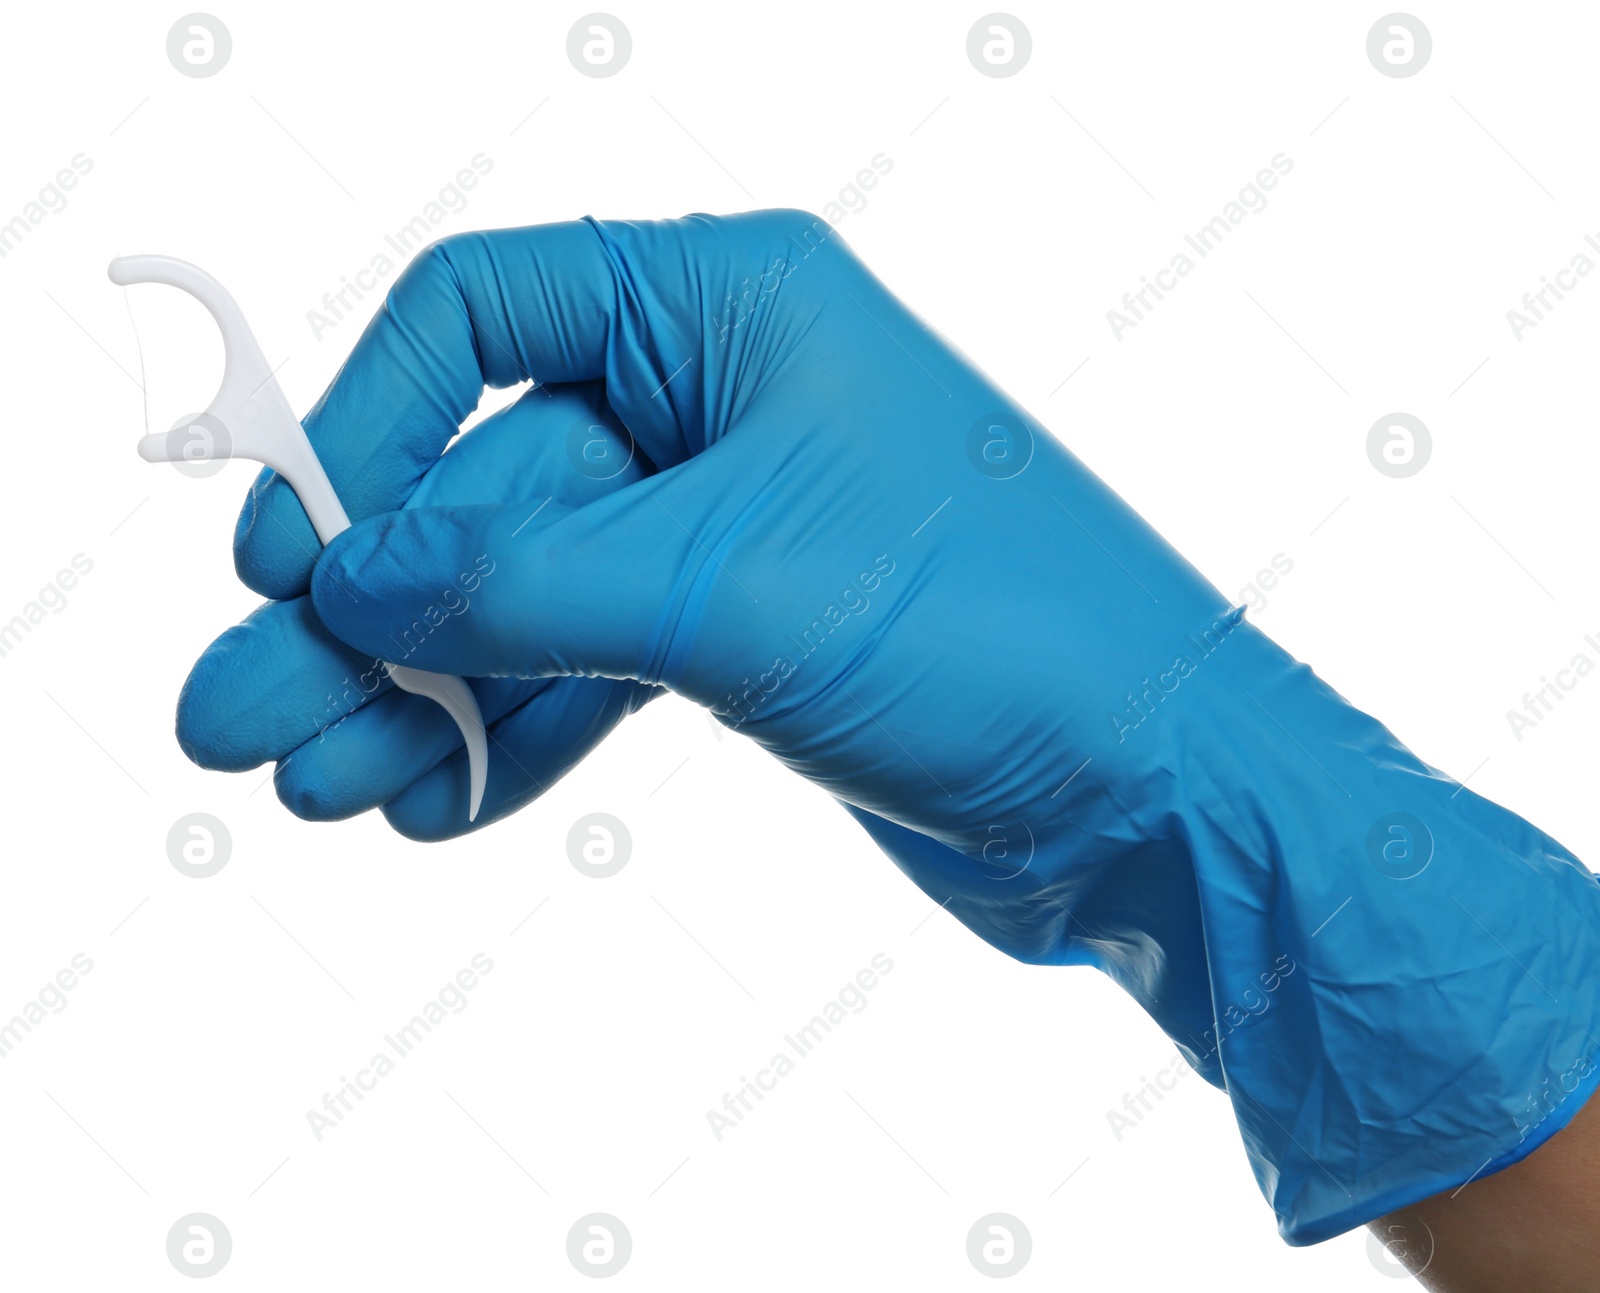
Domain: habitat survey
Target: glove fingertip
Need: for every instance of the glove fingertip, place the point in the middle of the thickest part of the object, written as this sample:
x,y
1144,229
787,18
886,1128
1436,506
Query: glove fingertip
x,y
434,808
355,577
274,545
206,741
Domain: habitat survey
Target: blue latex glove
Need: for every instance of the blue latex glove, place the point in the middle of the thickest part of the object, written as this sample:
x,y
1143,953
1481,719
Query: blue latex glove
x,y
835,532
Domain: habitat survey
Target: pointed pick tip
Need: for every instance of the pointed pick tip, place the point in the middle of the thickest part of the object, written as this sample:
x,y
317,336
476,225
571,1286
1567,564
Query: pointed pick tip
x,y
478,761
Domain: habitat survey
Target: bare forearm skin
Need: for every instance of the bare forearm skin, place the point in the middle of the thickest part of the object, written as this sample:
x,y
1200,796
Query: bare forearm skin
x,y
1532,1228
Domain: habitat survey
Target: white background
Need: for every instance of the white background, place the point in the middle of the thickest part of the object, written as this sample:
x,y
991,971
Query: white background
x,y
578,1079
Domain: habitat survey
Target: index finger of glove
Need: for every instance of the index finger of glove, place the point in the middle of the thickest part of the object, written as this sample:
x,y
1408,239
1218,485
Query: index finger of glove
x,y
475,310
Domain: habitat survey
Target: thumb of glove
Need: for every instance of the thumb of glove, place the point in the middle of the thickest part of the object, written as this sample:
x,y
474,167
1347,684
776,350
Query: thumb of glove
x,y
529,589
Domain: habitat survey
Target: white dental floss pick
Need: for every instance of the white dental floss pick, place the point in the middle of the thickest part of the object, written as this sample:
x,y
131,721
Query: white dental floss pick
x,y
250,418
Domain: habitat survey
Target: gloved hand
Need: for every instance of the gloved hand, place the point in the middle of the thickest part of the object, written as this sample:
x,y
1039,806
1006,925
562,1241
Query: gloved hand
x,y
797,505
